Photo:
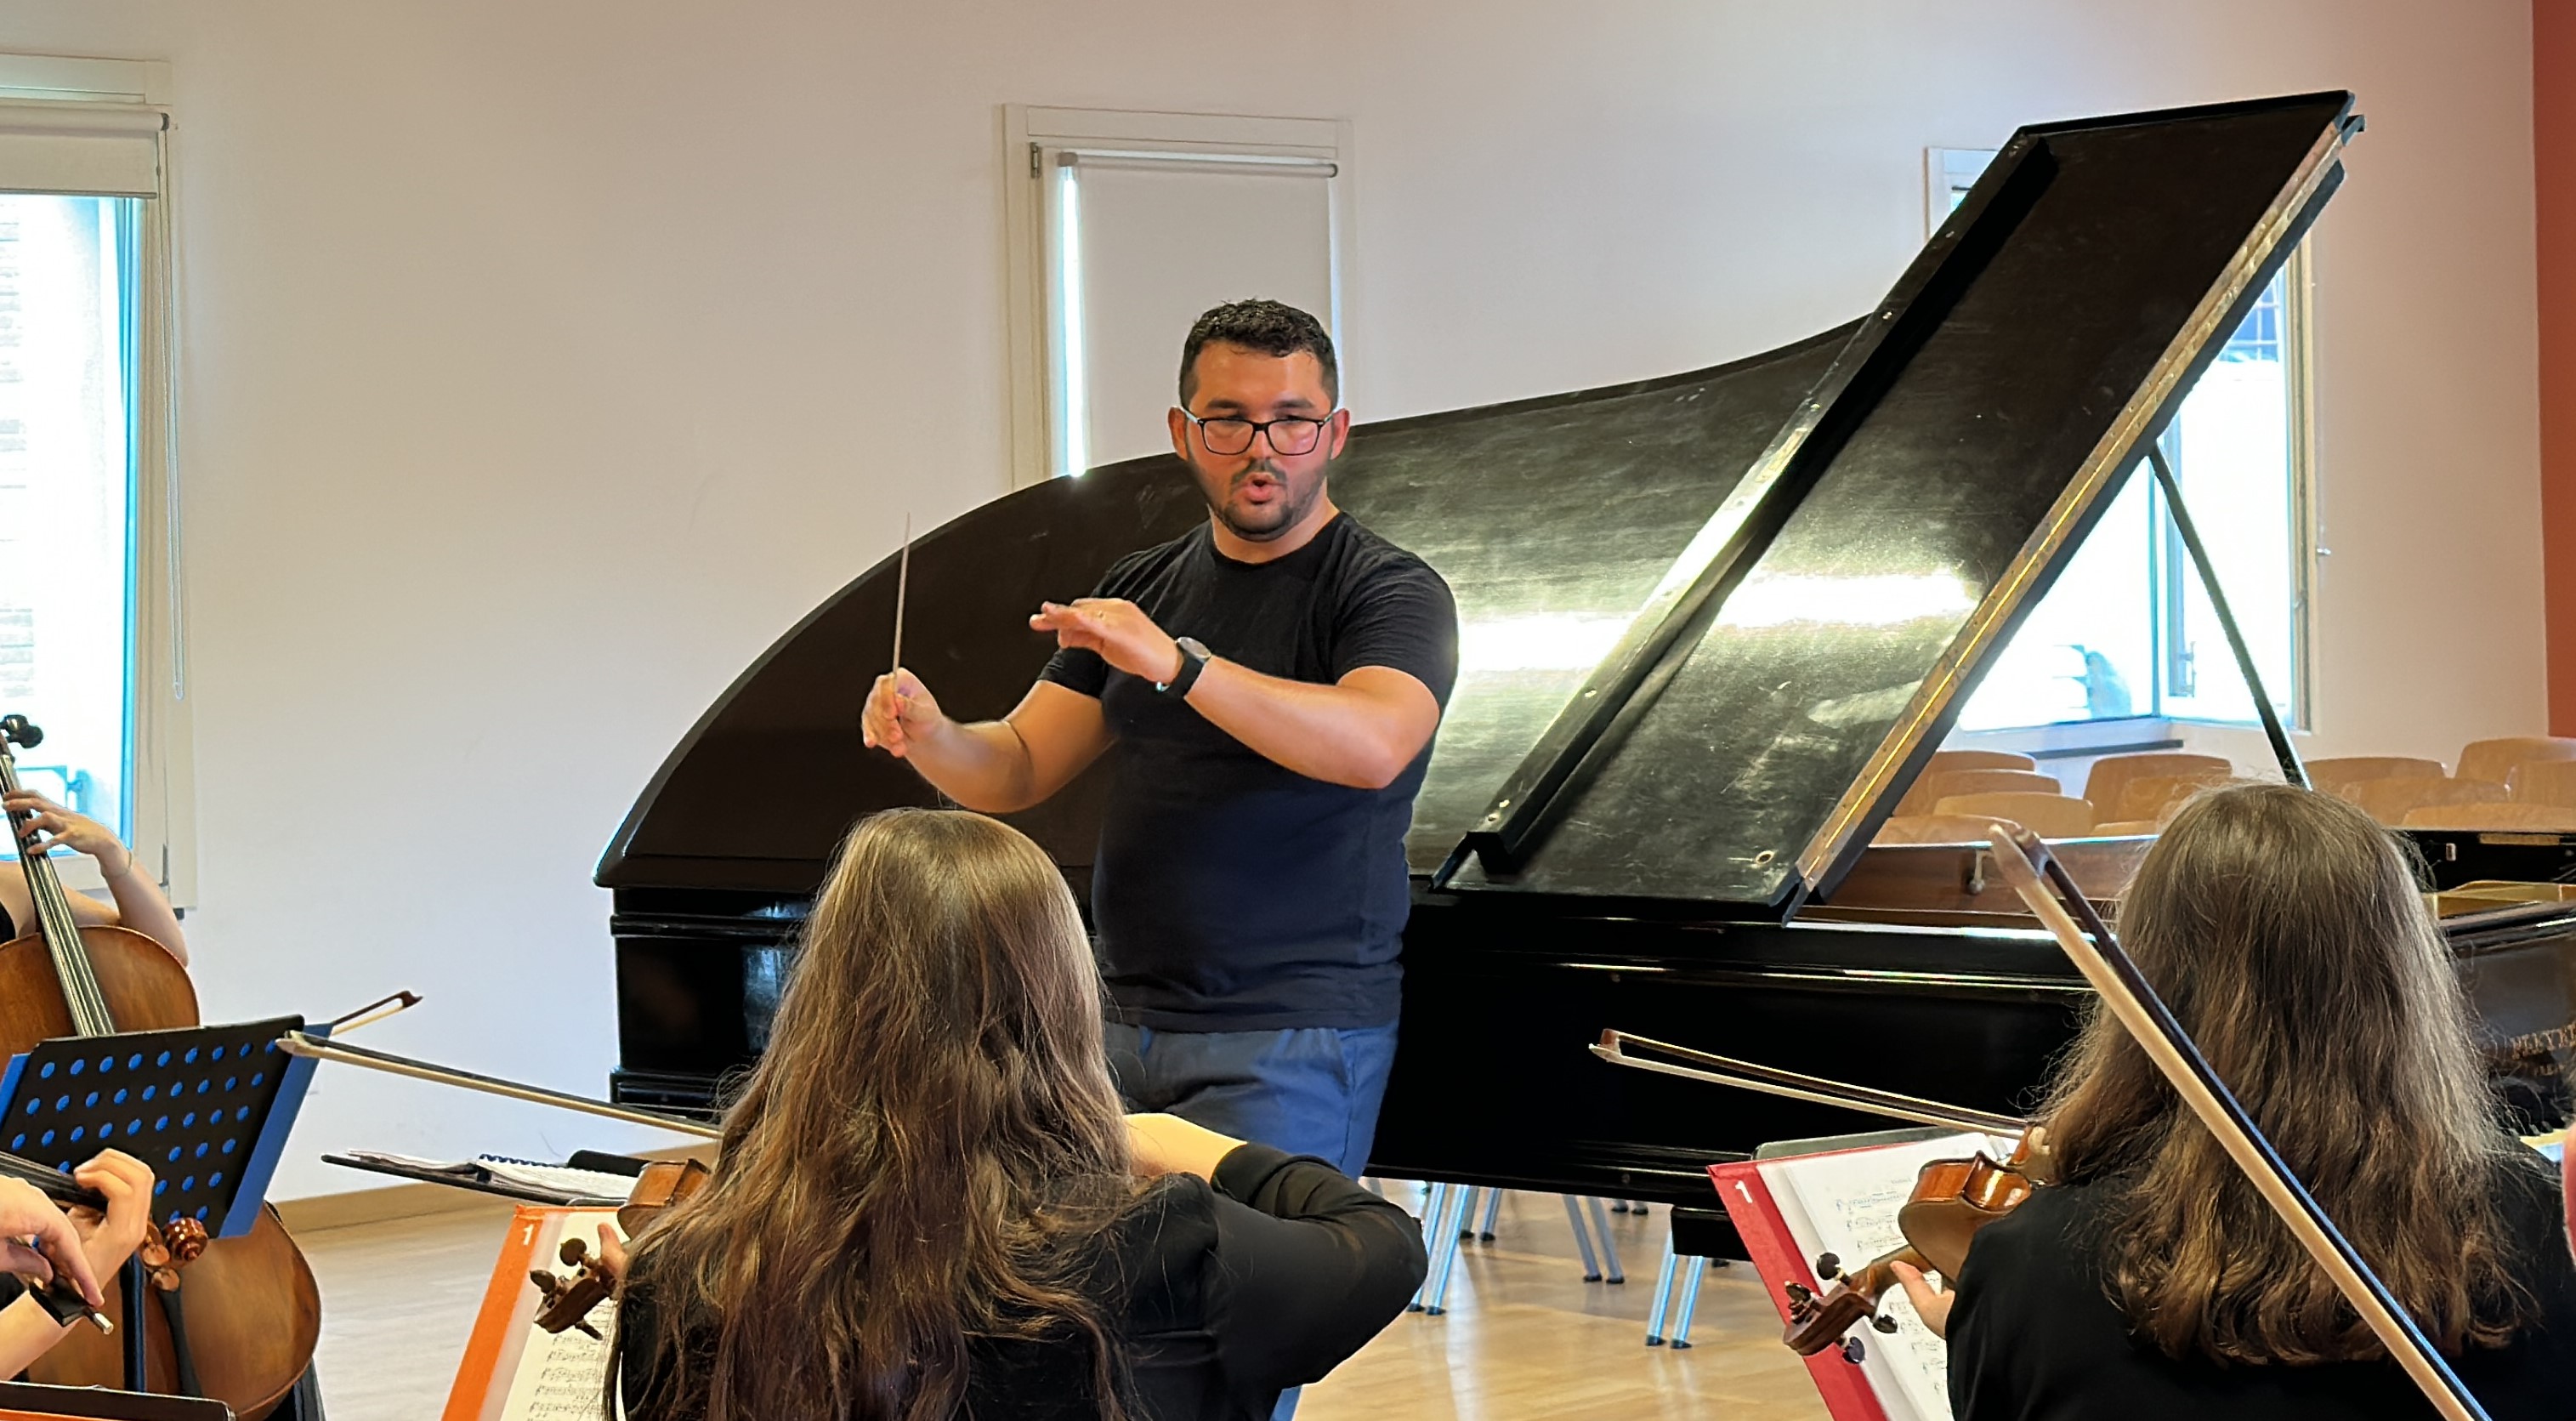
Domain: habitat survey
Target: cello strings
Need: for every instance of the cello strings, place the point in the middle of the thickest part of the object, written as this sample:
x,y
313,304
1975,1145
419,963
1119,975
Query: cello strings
x,y
82,995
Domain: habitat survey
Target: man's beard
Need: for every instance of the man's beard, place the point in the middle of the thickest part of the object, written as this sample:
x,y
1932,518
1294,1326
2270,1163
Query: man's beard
x,y
1287,512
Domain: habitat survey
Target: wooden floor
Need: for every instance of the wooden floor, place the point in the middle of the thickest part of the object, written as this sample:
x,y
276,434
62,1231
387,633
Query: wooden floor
x,y
1524,1336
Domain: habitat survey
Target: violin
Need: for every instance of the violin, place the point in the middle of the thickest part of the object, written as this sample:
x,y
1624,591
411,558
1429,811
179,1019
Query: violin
x,y
1952,1198
250,1337
565,1301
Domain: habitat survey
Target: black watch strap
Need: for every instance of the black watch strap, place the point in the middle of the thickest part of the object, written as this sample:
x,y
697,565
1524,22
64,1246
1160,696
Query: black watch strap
x,y
1194,659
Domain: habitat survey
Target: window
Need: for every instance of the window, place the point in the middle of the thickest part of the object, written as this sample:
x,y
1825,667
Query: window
x,y
88,624
1124,228
2128,630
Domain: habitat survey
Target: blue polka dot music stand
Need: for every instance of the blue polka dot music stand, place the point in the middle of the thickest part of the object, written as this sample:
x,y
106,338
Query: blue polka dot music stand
x,y
207,1107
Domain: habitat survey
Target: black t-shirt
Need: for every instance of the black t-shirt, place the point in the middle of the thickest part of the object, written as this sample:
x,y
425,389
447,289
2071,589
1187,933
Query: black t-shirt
x,y
1230,893
2035,1336
1221,1293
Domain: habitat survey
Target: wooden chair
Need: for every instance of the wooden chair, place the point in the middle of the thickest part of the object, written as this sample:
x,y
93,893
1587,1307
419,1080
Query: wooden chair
x,y
2111,774
2492,814
2388,800
1935,829
1949,782
1941,771
2344,769
1943,760
2156,797
2127,828
2495,759
2545,782
2050,816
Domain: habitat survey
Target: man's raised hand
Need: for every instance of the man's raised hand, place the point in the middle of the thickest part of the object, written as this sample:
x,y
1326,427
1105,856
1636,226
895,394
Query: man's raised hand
x,y
899,710
1118,630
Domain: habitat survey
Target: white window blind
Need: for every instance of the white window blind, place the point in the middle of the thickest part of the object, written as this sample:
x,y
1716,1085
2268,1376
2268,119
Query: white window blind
x,y
92,632
80,148
1147,247
1125,228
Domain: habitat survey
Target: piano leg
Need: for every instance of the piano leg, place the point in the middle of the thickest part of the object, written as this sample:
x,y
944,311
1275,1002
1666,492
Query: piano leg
x,y
1582,1239
1663,1296
1610,1272
1435,1206
1453,1227
1695,1273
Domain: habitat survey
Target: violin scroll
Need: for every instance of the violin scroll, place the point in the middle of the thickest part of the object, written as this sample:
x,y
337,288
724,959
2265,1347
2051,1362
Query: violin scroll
x,y
565,1300
1818,1321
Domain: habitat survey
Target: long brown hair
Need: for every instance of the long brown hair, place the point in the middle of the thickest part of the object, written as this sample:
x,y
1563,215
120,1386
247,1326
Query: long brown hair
x,y
930,1133
2285,930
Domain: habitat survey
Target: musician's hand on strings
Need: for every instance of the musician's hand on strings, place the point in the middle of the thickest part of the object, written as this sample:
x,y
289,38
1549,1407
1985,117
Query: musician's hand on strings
x,y
1119,631
56,827
610,1261
127,1182
1930,1303
37,1241
899,710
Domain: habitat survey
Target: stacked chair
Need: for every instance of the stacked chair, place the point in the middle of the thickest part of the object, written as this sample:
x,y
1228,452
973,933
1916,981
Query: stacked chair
x,y
2512,782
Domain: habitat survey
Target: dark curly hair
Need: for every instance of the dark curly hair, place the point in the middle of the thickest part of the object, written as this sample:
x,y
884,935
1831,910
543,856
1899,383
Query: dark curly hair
x,y
1270,327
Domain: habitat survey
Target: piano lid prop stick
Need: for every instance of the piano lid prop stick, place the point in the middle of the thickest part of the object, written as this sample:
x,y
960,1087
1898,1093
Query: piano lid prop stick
x,y
2126,992
297,1043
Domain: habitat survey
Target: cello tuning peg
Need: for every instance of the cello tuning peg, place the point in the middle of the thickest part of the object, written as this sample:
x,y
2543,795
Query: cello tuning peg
x,y
1829,1266
1883,1323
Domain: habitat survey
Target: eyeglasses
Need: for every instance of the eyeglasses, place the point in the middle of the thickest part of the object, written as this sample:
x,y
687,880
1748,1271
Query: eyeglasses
x,y
1227,435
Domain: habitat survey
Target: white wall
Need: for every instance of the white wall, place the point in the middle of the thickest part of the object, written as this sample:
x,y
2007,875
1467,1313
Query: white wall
x,y
545,360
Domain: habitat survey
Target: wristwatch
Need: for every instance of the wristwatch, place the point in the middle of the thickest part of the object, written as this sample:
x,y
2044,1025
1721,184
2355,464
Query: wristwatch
x,y
1194,659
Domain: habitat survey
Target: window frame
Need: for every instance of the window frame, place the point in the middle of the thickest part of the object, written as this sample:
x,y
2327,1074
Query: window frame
x,y
160,807
1947,175
1034,138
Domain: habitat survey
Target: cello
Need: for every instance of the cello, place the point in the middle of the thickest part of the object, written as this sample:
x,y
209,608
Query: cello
x,y
253,1312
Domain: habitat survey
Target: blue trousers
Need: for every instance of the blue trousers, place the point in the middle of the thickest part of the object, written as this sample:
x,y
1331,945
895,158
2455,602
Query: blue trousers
x,y
1310,1091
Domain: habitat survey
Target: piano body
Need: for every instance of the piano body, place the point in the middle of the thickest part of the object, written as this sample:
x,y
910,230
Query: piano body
x,y
1713,624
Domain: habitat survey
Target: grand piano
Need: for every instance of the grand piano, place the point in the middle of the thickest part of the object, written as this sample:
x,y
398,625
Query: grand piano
x,y
1713,624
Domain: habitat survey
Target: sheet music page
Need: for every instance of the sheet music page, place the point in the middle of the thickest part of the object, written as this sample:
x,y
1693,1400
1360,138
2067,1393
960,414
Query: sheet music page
x,y
1846,1204
562,1375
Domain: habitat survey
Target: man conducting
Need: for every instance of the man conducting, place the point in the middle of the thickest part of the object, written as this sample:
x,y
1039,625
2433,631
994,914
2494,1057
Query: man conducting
x,y
1271,680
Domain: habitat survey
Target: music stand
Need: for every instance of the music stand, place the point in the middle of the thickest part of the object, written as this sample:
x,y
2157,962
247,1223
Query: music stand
x,y
207,1107
32,1399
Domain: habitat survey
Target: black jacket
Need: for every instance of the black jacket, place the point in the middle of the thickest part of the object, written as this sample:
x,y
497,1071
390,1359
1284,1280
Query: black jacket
x,y
1224,1295
2035,1336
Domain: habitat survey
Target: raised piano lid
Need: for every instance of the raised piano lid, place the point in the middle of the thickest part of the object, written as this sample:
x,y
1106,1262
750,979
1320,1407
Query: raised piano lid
x,y
1817,641
1940,457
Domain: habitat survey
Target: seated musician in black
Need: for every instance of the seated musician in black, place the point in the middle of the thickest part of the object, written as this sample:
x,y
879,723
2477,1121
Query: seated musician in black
x,y
2284,929
138,902
929,1206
